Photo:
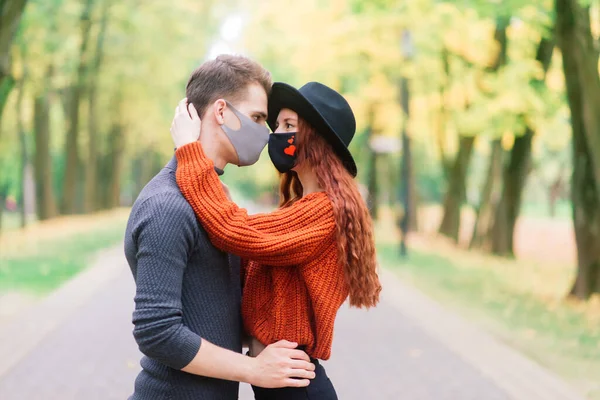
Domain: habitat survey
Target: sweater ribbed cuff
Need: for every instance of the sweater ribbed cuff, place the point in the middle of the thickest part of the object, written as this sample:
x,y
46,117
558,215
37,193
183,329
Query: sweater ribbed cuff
x,y
192,153
187,349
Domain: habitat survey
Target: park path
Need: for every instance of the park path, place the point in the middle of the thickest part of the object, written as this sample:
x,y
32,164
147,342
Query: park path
x,y
77,344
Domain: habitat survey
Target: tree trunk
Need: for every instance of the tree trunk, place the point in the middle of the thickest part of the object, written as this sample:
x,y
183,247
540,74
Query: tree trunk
x,y
502,39
1,210
576,41
552,199
481,238
485,217
516,172
586,221
407,221
585,202
3,195
555,192
10,16
23,151
91,202
403,219
143,170
104,173
7,83
515,176
443,115
413,223
455,194
46,207
372,184
22,139
68,205
573,37
112,162
117,148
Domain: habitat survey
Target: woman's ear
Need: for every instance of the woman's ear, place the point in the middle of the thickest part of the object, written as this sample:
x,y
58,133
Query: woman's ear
x,y
219,107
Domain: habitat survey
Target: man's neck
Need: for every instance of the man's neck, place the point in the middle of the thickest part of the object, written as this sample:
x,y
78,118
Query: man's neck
x,y
212,149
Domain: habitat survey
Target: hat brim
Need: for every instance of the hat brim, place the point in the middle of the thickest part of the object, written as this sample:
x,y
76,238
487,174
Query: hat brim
x,y
286,96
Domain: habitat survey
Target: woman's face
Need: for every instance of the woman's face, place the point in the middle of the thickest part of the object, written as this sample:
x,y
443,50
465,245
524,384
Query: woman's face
x,y
287,121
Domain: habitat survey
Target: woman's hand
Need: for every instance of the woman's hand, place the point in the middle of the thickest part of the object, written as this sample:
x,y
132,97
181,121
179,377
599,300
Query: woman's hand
x,y
186,124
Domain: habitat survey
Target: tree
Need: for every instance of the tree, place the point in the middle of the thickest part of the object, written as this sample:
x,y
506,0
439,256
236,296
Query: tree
x,y
45,199
372,178
490,195
91,165
81,52
517,170
580,64
22,140
75,93
40,35
455,194
10,16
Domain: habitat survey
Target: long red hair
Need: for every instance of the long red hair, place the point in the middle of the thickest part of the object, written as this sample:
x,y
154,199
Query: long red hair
x,y
355,239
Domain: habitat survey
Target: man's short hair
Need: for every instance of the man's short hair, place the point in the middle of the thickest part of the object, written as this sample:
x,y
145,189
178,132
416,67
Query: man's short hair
x,y
225,77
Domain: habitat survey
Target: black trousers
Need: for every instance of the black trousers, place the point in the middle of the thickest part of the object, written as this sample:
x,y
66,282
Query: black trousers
x,y
320,388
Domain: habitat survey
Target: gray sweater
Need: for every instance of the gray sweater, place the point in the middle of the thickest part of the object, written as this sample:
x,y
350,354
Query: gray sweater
x,y
186,289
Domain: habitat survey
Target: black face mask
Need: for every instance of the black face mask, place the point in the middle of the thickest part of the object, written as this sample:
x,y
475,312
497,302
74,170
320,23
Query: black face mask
x,y
283,151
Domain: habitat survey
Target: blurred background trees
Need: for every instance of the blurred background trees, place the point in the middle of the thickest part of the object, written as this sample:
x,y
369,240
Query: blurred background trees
x,y
498,103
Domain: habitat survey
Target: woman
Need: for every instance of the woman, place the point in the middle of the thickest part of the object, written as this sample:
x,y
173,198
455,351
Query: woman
x,y
305,259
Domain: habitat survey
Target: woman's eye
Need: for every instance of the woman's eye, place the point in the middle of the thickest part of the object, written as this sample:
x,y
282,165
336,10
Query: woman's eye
x,y
289,126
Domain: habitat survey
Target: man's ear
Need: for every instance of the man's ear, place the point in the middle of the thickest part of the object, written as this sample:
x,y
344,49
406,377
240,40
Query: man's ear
x,y
219,107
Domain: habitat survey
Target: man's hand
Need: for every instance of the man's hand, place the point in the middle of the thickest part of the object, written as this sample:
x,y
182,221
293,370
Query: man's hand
x,y
279,363
186,124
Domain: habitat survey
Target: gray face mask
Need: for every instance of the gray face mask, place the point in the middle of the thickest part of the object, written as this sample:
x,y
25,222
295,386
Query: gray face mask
x,y
248,141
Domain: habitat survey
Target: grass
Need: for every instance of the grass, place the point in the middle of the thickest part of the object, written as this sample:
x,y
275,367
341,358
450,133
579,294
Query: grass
x,y
521,302
10,221
40,258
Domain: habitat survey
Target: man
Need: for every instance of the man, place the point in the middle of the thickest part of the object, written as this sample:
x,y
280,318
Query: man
x,y
187,303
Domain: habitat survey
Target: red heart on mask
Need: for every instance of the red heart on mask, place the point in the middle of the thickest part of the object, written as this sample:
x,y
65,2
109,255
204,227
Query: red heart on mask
x,y
290,151
291,141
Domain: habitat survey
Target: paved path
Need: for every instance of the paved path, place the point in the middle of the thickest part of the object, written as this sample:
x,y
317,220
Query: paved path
x,y
407,348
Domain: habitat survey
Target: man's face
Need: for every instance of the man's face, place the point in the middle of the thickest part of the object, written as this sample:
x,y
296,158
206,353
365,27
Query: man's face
x,y
254,106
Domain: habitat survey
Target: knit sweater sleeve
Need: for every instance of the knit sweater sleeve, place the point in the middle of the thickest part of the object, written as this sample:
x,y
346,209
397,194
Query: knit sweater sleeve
x,y
288,236
163,232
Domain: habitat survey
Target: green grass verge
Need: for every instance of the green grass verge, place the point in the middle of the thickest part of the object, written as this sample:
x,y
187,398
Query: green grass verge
x,y
555,334
12,221
52,262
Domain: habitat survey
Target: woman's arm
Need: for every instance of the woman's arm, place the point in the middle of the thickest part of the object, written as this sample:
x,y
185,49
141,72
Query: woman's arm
x,y
285,237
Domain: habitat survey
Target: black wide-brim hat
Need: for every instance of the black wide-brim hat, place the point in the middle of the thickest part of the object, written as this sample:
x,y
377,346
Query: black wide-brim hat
x,y
323,108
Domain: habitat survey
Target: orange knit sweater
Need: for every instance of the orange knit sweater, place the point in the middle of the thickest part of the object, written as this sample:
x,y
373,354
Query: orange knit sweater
x,y
293,285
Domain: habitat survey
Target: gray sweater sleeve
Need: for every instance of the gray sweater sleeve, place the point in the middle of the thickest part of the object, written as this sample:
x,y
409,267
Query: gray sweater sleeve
x,y
164,231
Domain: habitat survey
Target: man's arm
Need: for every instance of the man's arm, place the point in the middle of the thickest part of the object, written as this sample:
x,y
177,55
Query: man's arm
x,y
278,365
165,237
164,232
